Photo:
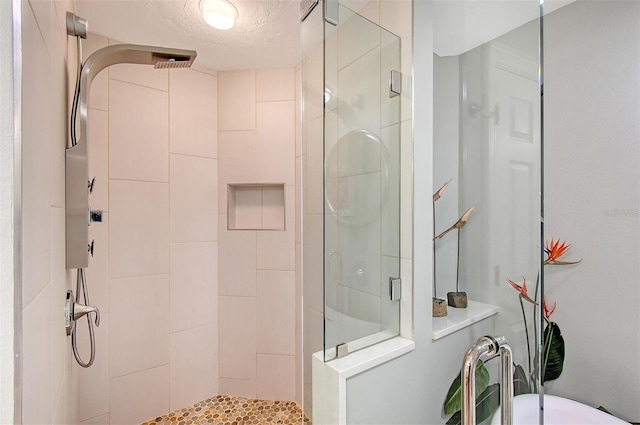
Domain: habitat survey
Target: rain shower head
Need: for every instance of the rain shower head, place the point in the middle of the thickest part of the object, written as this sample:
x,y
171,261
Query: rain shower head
x,y
172,61
159,57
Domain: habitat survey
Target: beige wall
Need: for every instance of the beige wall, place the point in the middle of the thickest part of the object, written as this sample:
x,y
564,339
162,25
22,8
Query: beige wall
x,y
164,242
258,291
153,151
153,148
48,380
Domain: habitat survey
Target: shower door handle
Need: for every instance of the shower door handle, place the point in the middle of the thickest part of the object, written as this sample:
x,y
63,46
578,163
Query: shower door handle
x,y
491,347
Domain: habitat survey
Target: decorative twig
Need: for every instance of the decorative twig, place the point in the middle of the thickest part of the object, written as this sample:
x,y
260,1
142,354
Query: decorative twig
x,y
435,287
436,196
440,191
462,221
458,264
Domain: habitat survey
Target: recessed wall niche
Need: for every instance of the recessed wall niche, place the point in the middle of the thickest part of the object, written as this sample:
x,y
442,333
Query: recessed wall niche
x,y
256,206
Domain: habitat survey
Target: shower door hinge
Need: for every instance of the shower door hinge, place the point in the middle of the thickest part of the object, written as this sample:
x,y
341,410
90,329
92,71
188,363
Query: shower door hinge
x,y
331,11
395,83
395,288
342,350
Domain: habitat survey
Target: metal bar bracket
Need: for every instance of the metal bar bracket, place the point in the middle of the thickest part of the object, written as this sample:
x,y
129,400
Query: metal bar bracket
x,y
395,288
395,83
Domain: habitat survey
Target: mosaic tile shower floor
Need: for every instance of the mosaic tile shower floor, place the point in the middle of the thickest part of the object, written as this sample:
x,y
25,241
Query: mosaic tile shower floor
x,y
231,410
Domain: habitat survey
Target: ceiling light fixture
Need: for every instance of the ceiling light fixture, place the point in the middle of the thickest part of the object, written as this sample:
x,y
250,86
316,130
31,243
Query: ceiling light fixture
x,y
220,14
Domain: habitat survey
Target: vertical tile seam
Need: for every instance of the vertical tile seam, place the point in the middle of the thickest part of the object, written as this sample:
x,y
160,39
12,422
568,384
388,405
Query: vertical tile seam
x,y
170,236
255,153
108,250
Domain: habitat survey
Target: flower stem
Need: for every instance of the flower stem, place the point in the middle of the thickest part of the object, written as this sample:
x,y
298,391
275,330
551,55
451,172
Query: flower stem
x,y
526,330
435,288
458,265
535,310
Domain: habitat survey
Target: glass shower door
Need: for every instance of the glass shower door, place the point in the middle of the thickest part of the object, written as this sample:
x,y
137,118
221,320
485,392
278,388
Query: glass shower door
x,y
361,185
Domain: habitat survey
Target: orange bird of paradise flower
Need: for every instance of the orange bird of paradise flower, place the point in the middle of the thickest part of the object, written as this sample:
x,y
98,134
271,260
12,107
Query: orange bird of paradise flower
x,y
555,250
522,289
547,312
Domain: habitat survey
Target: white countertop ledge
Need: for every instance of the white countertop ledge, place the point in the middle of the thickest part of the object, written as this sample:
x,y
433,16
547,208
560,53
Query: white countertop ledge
x,y
370,357
460,318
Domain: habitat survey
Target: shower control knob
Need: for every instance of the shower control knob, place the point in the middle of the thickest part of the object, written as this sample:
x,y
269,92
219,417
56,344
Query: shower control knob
x,y
90,184
95,216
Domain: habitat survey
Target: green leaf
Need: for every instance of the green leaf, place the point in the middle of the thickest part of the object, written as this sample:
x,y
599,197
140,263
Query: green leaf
x,y
520,381
553,352
453,401
486,405
456,419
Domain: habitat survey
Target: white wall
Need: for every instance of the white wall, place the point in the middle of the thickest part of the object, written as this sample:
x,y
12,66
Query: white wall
x,y
48,380
592,152
591,193
446,129
7,183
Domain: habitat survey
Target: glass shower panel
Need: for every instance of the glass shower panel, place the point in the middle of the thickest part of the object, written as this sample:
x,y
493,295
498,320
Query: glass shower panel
x,y
500,175
362,183
487,144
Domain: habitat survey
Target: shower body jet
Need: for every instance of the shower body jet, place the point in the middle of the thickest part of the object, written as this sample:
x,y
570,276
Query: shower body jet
x,y
77,178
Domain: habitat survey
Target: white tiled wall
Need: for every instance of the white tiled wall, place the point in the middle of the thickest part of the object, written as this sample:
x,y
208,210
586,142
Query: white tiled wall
x,y
257,144
49,389
153,150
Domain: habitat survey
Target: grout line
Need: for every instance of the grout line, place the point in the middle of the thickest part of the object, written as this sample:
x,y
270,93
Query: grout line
x,y
137,371
188,155
42,37
138,276
93,108
193,328
138,181
140,85
107,413
169,230
37,294
276,270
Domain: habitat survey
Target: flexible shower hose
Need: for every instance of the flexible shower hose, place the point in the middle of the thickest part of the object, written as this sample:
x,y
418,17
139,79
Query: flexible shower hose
x,y
81,285
76,96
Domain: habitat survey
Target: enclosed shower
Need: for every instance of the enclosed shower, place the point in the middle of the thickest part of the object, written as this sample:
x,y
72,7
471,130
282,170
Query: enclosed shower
x,y
180,187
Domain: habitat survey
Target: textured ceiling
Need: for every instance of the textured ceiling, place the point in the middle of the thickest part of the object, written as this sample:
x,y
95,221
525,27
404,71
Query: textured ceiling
x,y
266,34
